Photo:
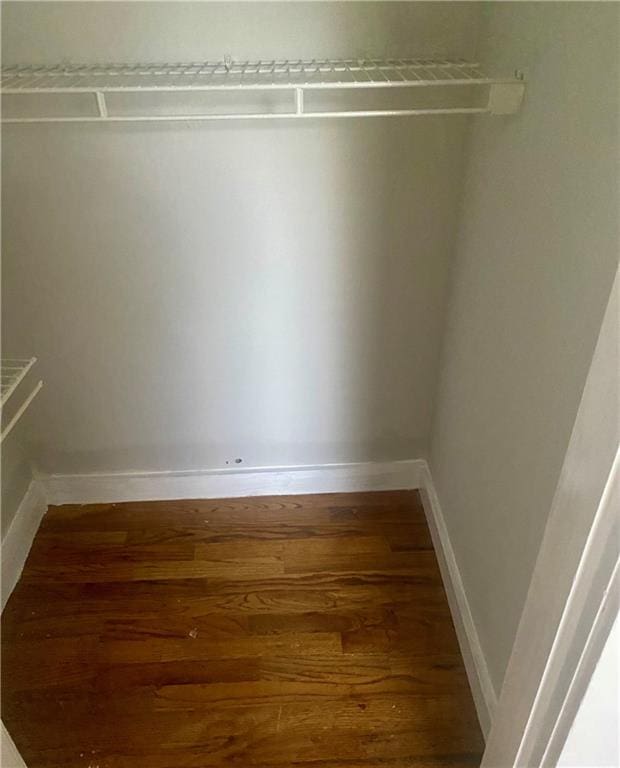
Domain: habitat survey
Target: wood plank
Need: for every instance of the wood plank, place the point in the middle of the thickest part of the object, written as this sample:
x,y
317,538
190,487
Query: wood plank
x,y
310,631
392,506
350,729
317,621
35,603
46,663
155,570
194,758
194,647
43,555
407,535
292,548
424,565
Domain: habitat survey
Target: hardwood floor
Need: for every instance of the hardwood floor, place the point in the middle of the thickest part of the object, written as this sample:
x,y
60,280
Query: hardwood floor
x,y
306,631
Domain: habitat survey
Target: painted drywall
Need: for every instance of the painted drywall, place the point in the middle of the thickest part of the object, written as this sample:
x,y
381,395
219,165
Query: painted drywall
x,y
15,476
572,593
536,254
201,293
43,32
594,739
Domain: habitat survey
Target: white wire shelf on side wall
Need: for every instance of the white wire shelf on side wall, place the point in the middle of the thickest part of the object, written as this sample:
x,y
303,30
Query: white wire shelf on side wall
x,y
13,371
297,79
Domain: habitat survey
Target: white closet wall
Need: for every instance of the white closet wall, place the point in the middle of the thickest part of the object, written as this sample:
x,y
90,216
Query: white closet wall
x,y
198,293
536,255
16,473
278,292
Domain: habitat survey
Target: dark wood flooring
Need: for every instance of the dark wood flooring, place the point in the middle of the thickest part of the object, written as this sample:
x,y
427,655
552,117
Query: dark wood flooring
x,y
306,631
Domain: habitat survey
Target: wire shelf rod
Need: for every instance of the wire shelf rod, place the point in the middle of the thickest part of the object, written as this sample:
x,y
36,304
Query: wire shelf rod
x,y
253,116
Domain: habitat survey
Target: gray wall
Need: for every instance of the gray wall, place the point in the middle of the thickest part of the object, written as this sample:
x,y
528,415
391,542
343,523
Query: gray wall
x,y
197,293
15,476
536,255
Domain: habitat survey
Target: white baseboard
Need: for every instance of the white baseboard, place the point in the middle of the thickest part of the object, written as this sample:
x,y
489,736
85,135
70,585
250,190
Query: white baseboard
x,y
18,540
9,756
230,483
483,691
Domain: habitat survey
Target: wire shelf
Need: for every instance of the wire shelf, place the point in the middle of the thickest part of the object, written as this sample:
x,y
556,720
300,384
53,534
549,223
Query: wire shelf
x,y
12,372
297,76
248,74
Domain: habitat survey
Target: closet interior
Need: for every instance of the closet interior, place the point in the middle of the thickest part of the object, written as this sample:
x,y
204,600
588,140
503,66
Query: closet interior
x,y
298,304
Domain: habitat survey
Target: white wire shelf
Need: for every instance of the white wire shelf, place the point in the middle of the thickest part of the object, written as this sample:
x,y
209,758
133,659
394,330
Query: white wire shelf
x,y
299,77
12,372
232,75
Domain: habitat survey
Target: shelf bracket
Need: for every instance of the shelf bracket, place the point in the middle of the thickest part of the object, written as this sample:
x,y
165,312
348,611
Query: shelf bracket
x,y
299,101
505,98
101,105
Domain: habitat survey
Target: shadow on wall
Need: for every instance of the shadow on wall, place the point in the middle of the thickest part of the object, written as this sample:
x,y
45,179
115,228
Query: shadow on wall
x,y
201,293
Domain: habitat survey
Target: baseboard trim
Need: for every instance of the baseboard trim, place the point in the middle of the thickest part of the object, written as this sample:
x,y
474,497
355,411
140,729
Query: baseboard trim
x,y
483,691
230,483
18,540
9,756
